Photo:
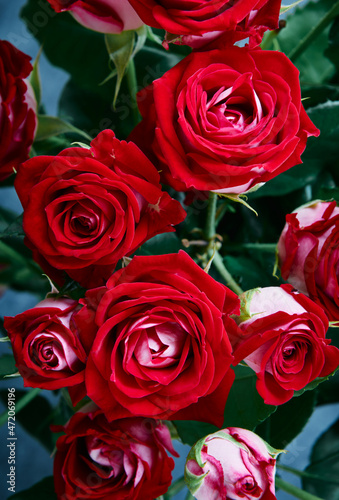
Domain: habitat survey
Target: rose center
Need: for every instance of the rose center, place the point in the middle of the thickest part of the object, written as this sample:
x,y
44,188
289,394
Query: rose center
x,y
248,485
108,461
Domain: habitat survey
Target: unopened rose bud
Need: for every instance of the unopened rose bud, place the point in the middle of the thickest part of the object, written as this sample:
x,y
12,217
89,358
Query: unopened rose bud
x,y
232,463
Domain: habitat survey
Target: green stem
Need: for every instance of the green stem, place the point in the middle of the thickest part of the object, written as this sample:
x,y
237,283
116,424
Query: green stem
x,y
210,230
27,398
132,84
230,281
294,490
306,474
175,487
263,247
314,32
189,496
210,217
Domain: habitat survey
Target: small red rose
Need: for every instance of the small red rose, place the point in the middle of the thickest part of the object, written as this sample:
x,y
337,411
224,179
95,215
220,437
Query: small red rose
x,y
125,459
85,209
17,109
282,337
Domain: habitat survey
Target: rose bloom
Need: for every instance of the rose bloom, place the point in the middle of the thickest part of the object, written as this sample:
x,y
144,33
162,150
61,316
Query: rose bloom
x,y
85,209
105,16
161,345
17,109
281,337
195,18
308,253
126,459
231,464
48,347
224,120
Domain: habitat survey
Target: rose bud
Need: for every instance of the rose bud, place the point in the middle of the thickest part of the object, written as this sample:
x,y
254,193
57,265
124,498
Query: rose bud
x,y
126,459
233,120
161,345
17,109
48,347
238,19
281,337
232,463
105,16
85,209
308,253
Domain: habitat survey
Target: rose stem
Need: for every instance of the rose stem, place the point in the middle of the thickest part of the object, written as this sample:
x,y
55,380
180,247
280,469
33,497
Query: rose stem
x,y
294,490
132,84
20,404
263,247
175,487
209,234
300,473
314,32
189,496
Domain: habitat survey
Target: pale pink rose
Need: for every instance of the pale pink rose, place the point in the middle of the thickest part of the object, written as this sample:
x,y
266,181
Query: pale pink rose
x,y
308,252
232,463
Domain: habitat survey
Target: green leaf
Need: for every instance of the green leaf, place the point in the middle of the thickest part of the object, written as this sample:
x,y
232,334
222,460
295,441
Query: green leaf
x,y
161,244
288,420
7,365
190,431
49,126
35,80
40,491
244,407
314,68
332,52
252,271
14,228
286,8
292,180
326,117
120,50
325,464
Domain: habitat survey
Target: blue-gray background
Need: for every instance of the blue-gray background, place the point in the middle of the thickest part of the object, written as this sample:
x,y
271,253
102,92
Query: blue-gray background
x,y
33,462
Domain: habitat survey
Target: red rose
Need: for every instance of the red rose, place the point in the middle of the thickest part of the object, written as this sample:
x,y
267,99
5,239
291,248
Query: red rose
x,y
282,338
225,121
105,16
124,460
48,347
87,208
308,251
161,347
209,16
231,464
17,109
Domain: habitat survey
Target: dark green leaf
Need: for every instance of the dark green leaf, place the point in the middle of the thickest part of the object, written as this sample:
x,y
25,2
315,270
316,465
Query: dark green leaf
x,y
14,228
161,244
332,52
35,80
325,465
326,117
314,68
244,407
287,421
295,178
40,491
252,272
190,431
7,365
49,126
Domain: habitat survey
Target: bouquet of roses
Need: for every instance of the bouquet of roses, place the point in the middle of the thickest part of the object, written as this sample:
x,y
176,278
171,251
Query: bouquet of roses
x,y
180,234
